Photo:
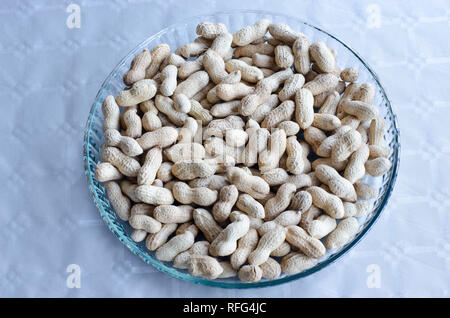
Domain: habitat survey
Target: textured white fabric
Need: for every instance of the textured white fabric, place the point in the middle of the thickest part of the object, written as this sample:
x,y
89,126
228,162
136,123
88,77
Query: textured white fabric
x,y
50,74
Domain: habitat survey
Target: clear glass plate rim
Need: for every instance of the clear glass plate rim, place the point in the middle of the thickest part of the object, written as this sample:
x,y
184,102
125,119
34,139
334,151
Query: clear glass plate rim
x,y
187,277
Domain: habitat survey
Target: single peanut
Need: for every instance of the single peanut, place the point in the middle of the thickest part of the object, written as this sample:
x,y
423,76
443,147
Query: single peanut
x,y
186,195
173,59
345,229
263,109
193,49
360,110
253,185
219,133
262,91
111,113
269,158
330,203
225,109
151,121
350,74
284,58
300,48
162,137
310,246
129,188
296,262
337,184
204,266
250,206
215,182
322,226
322,83
185,151
215,66
365,191
279,176
154,195
283,33
158,54
209,30
137,69
153,160
267,243
139,92
179,243
232,78
227,198
365,93
228,92
322,56
280,202
377,167
329,106
173,214
376,131
156,240
271,269
193,84
251,33
294,162
132,123
251,49
128,166
187,68
246,245
301,201
326,122
226,242
191,169
206,223
282,113
282,250
263,61
249,73
145,222
250,273
105,171
198,248
166,106
345,145
355,169
120,203
228,270
304,111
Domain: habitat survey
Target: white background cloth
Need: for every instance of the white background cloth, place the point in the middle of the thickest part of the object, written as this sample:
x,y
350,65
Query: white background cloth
x,y
50,74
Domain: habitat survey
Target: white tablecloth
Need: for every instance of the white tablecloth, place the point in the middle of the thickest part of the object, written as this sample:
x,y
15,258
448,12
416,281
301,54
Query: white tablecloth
x,y
50,74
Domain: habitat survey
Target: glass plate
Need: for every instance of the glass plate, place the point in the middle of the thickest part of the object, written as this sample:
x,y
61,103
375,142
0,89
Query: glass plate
x,y
184,32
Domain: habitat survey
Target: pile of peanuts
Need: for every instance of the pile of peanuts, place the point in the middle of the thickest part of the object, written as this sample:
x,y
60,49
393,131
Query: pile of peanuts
x,y
242,154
